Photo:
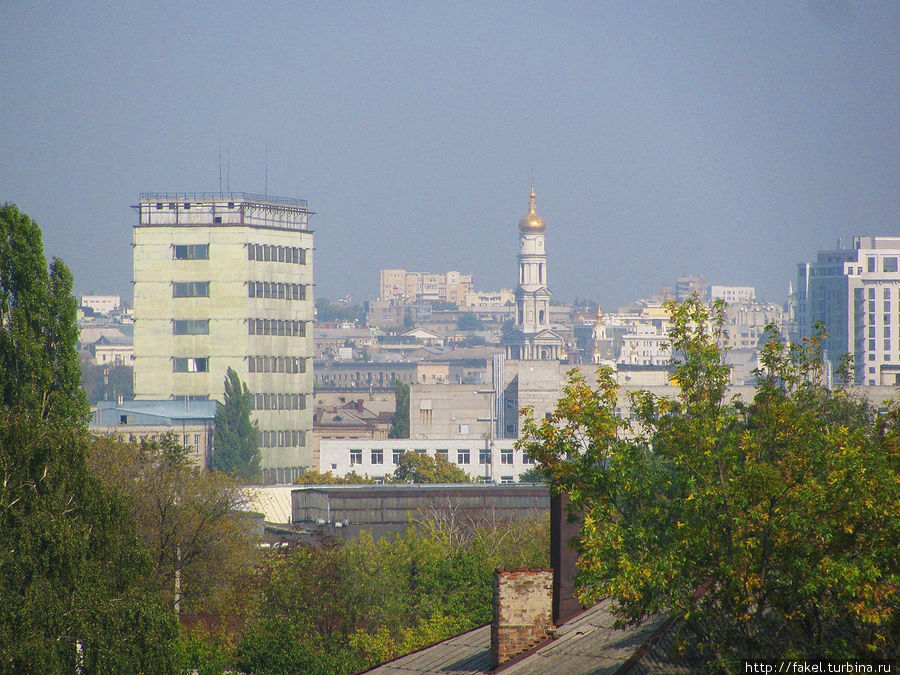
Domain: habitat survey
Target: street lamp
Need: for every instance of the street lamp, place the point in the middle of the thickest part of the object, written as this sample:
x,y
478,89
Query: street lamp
x,y
490,437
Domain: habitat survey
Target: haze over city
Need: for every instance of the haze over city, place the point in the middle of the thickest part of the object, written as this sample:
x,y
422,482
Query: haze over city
x,y
724,139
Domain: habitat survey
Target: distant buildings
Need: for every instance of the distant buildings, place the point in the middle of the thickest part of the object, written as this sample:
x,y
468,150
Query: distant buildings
x,y
225,280
855,293
102,304
403,286
732,294
695,284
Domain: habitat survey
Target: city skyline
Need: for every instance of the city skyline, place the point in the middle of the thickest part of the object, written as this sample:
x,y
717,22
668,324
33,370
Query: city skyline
x,y
729,141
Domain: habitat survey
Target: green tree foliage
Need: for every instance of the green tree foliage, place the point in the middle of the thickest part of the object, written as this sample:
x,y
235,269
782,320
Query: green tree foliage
x,y
39,369
768,529
316,478
72,572
534,475
400,420
193,522
327,311
416,467
106,382
236,449
344,607
468,321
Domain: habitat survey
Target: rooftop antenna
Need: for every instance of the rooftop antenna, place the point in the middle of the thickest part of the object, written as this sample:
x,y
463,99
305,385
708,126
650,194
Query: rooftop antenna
x,y
228,167
220,165
267,170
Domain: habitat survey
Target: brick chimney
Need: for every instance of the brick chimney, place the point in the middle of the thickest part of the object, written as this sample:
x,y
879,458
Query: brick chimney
x,y
523,607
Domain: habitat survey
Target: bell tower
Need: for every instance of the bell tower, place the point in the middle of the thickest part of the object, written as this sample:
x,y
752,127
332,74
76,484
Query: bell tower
x,y
532,337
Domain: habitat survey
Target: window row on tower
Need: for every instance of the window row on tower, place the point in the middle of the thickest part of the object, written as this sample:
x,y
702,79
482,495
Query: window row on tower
x,y
273,253
290,327
287,401
276,364
276,290
286,438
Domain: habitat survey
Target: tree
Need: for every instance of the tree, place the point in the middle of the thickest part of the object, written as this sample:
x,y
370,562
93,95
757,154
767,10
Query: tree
x,y
39,368
533,475
236,450
766,529
400,420
468,321
416,467
105,382
311,477
73,590
195,523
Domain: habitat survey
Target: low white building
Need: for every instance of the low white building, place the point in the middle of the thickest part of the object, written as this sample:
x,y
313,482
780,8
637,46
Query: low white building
x,y
732,294
102,304
492,462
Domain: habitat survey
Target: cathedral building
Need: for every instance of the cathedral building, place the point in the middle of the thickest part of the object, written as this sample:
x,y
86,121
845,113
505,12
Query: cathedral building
x,y
533,338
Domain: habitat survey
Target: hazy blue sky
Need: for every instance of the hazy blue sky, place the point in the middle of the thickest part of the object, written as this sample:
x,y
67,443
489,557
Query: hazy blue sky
x,y
732,139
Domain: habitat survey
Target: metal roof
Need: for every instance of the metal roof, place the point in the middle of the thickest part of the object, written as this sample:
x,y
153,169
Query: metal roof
x,y
588,644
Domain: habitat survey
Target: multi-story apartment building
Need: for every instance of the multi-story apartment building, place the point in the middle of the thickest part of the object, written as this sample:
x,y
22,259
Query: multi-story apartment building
x,y
400,285
225,280
856,293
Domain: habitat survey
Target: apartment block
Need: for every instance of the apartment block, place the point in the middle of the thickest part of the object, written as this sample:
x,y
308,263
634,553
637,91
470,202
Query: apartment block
x,y
225,280
403,286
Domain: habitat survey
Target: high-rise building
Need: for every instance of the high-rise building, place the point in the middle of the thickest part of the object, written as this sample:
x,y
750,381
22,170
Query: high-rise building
x,y
695,284
225,280
402,286
532,338
855,293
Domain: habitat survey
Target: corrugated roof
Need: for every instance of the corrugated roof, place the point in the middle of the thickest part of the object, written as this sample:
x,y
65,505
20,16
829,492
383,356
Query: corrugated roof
x,y
466,653
586,645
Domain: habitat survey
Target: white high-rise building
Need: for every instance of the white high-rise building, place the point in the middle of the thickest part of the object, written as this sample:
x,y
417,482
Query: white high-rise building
x,y
855,293
532,338
226,280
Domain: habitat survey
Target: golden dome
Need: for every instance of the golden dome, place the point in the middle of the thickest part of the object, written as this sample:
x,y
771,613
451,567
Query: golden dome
x,y
532,223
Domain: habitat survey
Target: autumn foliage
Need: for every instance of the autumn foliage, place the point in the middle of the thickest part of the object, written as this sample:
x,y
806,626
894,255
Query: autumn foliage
x,y
767,528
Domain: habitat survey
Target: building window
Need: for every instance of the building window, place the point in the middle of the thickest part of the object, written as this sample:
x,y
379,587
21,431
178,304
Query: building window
x,y
511,429
527,459
190,327
190,289
378,456
889,263
510,404
506,456
190,365
484,457
355,457
191,252
462,456
396,456
506,479
443,454
463,428
870,264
